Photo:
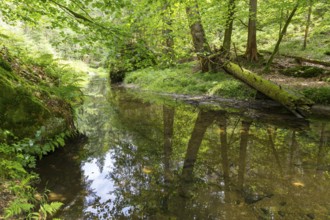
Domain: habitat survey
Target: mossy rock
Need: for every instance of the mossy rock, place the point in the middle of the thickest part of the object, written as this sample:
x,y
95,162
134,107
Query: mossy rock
x,y
303,71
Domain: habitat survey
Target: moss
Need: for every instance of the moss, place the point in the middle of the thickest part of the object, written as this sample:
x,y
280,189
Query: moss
x,y
288,98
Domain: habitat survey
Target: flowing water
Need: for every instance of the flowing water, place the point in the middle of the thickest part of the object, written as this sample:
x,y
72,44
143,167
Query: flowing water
x,y
152,157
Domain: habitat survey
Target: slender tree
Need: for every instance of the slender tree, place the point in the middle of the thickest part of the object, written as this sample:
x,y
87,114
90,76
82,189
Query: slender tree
x,y
277,46
168,32
201,45
308,23
251,48
229,27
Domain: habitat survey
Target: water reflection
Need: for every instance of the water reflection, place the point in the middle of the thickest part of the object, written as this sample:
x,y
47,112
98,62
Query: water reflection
x,y
152,158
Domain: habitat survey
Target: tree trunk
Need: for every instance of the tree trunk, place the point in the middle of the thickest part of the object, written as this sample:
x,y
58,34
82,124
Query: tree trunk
x,y
201,45
167,33
229,27
296,103
308,23
277,46
251,49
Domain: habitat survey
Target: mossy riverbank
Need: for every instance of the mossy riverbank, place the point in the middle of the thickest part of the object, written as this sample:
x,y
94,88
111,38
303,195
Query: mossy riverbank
x,y
186,79
37,100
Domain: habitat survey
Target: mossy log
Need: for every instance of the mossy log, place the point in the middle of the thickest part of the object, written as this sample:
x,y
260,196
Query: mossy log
x,y
294,102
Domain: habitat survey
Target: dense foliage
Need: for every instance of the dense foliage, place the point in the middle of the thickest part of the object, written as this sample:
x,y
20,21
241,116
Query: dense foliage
x,y
37,97
100,31
38,92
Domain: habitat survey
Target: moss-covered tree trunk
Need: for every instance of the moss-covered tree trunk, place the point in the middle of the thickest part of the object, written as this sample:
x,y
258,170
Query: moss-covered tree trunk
x,y
296,103
251,48
229,27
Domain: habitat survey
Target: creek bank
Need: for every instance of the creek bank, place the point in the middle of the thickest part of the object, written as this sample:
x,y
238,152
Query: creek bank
x,y
37,115
262,109
186,79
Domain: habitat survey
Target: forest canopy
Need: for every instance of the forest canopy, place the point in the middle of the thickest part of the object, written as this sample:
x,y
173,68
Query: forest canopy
x,y
165,31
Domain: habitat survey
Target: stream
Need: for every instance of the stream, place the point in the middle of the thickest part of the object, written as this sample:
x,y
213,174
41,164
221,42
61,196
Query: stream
x,y
149,156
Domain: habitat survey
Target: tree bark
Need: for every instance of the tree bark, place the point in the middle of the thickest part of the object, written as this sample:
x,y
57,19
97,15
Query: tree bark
x,y
251,48
229,27
277,46
296,103
308,23
201,45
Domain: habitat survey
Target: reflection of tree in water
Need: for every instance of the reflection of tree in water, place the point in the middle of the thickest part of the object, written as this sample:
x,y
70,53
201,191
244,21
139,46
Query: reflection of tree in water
x,y
177,161
93,118
246,172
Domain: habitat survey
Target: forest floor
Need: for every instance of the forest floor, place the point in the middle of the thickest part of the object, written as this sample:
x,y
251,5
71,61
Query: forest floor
x,y
318,77
310,79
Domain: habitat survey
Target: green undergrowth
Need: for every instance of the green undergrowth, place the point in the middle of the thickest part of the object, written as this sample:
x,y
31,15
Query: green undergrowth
x,y
182,79
38,97
318,46
18,157
318,95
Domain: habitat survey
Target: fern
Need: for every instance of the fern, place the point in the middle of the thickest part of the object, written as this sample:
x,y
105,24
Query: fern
x,y
18,207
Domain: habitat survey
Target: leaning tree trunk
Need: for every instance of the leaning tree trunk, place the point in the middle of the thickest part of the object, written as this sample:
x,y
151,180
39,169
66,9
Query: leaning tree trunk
x,y
277,46
201,45
296,103
251,49
308,23
229,27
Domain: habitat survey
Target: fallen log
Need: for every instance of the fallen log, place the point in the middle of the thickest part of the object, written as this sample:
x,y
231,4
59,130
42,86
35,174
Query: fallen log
x,y
306,60
294,102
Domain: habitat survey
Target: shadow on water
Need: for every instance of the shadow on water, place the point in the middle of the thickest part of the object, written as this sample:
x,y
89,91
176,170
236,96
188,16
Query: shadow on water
x,y
150,157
